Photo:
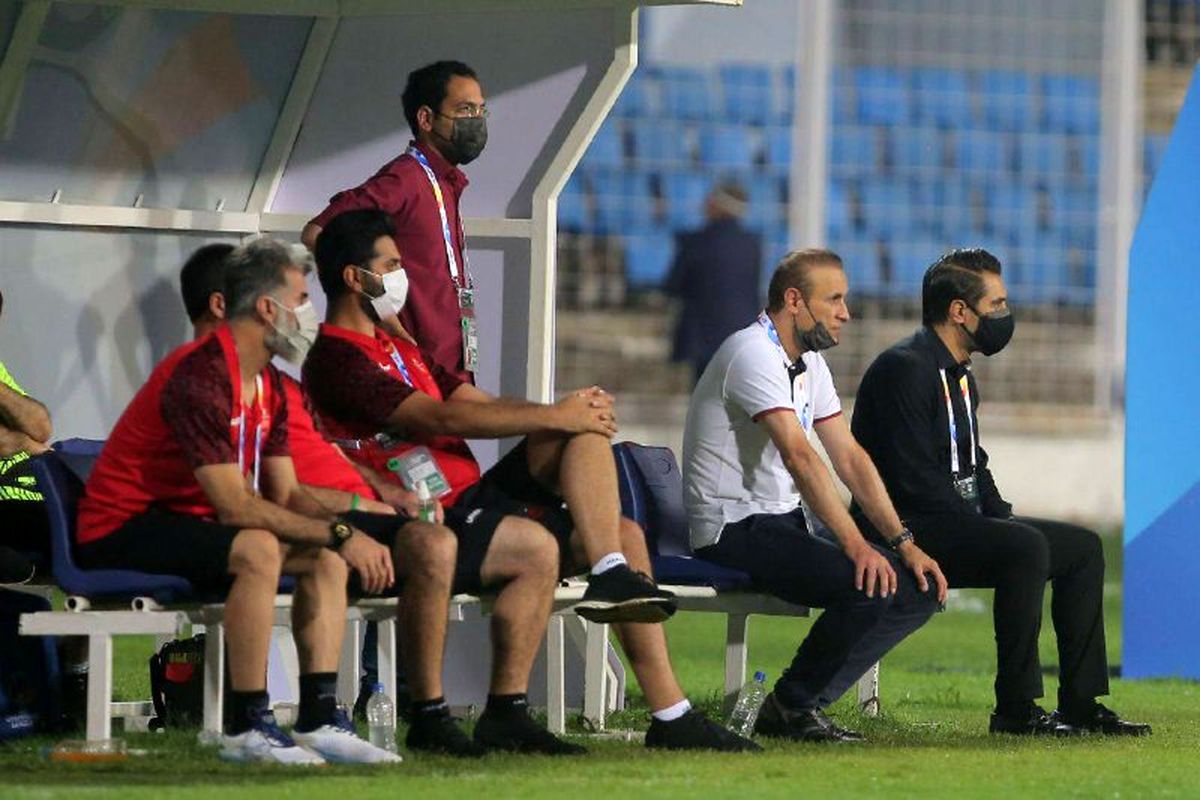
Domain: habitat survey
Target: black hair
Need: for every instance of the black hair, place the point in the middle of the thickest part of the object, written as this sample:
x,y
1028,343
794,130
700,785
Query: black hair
x,y
792,273
956,275
252,270
202,275
348,239
427,87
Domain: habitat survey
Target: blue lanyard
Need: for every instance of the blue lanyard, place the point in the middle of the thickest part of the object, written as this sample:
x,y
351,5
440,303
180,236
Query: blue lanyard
x,y
399,362
451,258
793,369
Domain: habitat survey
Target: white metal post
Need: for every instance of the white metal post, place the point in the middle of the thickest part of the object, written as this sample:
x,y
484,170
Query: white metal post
x,y
556,694
214,676
808,177
99,687
737,630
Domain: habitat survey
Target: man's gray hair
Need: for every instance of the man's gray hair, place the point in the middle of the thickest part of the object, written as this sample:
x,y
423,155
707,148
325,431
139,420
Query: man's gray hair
x,y
256,268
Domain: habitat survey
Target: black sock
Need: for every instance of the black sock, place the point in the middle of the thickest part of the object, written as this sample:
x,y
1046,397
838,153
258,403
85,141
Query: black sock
x,y
507,705
318,700
244,710
423,709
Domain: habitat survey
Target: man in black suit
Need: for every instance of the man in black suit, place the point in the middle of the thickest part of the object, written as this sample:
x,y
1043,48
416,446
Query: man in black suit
x,y
715,274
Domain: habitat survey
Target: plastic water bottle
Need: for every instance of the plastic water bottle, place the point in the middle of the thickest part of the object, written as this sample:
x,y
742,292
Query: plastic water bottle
x,y
750,700
426,505
381,719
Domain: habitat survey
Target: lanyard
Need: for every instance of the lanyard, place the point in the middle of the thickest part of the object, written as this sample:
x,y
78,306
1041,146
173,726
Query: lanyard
x,y
441,203
399,362
964,387
793,369
258,432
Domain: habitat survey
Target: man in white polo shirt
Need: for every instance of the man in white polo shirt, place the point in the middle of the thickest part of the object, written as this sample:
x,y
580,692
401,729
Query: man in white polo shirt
x,y
760,499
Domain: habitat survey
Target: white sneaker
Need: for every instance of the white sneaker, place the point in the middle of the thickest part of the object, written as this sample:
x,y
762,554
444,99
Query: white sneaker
x,y
265,743
338,744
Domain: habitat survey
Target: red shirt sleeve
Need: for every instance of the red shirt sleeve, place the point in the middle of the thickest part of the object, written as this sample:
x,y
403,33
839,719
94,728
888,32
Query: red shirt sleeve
x,y
446,380
196,405
386,190
277,440
346,385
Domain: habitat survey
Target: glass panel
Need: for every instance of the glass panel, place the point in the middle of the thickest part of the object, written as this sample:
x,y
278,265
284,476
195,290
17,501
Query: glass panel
x,y
174,107
9,11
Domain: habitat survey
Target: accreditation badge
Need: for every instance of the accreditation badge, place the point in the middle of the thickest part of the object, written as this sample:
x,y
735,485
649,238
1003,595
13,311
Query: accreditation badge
x,y
419,466
470,328
968,489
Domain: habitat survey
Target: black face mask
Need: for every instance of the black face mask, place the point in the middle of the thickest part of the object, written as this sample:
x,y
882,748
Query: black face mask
x,y
993,332
468,137
817,337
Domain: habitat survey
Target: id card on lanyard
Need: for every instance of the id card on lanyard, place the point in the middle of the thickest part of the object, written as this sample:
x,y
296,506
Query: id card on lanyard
x,y
967,486
264,422
462,282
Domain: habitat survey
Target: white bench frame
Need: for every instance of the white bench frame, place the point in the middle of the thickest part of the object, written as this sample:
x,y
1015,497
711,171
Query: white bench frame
x,y
144,616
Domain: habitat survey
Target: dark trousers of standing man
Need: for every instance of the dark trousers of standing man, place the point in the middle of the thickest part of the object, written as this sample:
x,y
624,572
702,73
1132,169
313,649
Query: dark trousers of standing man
x,y
1016,557
855,631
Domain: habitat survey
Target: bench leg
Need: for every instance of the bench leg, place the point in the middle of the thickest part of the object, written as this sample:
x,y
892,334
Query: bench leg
x,y
595,689
99,687
386,650
868,691
214,679
350,663
556,687
737,629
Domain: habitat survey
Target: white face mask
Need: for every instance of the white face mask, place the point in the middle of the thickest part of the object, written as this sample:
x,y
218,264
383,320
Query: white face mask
x,y
395,292
292,342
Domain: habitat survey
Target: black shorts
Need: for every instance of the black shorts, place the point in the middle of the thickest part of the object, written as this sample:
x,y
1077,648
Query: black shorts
x,y
508,489
474,533
166,543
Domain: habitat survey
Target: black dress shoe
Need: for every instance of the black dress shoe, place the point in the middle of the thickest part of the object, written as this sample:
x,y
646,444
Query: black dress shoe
x,y
694,731
1036,722
811,725
1103,720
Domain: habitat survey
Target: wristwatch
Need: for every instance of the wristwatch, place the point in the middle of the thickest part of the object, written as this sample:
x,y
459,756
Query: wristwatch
x,y
339,532
898,542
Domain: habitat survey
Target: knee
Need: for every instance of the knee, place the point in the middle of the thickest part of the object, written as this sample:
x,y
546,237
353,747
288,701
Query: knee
x,y
256,553
331,568
536,551
426,548
1027,552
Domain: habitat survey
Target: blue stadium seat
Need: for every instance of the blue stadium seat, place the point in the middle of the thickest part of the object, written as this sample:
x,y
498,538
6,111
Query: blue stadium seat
x,y
684,193
635,99
685,92
1071,104
648,259
955,201
785,96
661,143
1090,158
767,209
1006,100
983,152
861,262
624,203
917,150
778,146
942,97
747,93
839,217
1073,215
882,95
1012,211
854,151
1043,155
607,148
728,146
887,207
910,258
572,207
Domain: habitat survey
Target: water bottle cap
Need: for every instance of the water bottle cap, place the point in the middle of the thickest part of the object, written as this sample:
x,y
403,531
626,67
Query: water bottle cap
x,y
761,677
423,493
378,687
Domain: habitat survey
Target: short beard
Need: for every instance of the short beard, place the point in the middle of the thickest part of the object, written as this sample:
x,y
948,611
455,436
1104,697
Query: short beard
x,y
278,345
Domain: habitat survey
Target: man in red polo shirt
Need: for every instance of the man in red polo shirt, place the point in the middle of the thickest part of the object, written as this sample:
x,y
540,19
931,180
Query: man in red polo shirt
x,y
196,480
410,418
420,190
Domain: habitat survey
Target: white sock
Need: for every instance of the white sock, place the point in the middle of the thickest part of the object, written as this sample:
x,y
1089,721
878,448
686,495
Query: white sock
x,y
673,712
608,562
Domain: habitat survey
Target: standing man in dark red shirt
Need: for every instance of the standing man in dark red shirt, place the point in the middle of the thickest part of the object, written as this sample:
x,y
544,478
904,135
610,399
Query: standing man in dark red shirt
x,y
420,190
197,480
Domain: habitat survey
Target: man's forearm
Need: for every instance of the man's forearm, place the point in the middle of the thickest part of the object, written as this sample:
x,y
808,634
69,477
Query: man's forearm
x,y
861,477
286,523
487,420
24,414
816,487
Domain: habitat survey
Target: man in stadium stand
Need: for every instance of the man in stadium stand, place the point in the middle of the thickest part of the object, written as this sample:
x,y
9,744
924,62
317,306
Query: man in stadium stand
x,y
420,190
715,275
410,416
916,415
25,431
760,499
522,565
197,480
